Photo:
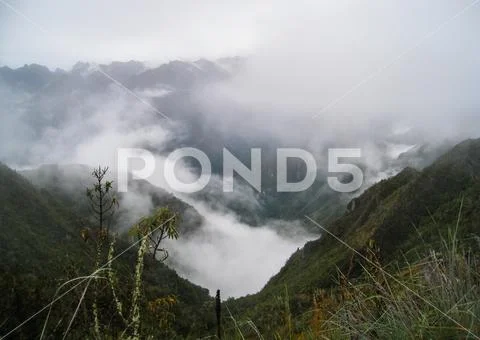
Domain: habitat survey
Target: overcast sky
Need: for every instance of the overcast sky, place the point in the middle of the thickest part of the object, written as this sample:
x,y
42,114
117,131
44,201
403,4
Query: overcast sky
x,y
358,60
408,56
58,33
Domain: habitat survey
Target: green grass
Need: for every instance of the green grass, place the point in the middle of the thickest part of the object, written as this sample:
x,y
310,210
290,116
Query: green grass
x,y
435,297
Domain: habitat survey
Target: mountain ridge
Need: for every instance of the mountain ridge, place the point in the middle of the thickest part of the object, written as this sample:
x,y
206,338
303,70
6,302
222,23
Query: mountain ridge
x,y
401,216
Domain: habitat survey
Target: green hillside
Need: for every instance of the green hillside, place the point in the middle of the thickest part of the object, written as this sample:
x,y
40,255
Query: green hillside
x,y
422,226
400,218
41,248
33,223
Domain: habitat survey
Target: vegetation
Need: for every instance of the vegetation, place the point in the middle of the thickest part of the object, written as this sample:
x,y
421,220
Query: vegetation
x,y
402,262
434,297
156,228
47,266
404,217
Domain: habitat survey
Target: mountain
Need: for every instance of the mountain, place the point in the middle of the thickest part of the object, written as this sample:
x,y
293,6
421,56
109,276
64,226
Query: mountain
x,y
72,111
28,78
179,75
65,113
401,216
41,247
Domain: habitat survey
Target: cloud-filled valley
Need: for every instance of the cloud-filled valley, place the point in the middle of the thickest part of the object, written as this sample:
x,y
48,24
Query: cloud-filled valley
x,y
77,117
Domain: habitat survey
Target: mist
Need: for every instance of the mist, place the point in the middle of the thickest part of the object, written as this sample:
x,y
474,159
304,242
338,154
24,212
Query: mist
x,y
359,72
222,253
232,256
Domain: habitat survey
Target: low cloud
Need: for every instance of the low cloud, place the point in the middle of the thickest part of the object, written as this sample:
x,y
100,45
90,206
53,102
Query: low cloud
x,y
223,252
231,256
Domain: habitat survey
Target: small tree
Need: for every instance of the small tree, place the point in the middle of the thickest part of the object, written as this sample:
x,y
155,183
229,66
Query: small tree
x,y
102,200
157,227
103,204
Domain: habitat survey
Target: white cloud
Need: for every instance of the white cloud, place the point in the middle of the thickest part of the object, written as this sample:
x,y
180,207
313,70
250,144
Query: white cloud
x,y
233,257
364,68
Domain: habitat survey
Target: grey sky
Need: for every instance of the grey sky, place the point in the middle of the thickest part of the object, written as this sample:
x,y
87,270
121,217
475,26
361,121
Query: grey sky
x,y
316,53
303,55
121,30
156,31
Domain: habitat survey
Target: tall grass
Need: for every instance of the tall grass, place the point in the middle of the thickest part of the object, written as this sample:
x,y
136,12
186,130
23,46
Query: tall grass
x,y
436,296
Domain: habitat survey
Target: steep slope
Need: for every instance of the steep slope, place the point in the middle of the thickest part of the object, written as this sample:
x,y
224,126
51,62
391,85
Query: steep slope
x,y
401,216
41,247
32,224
